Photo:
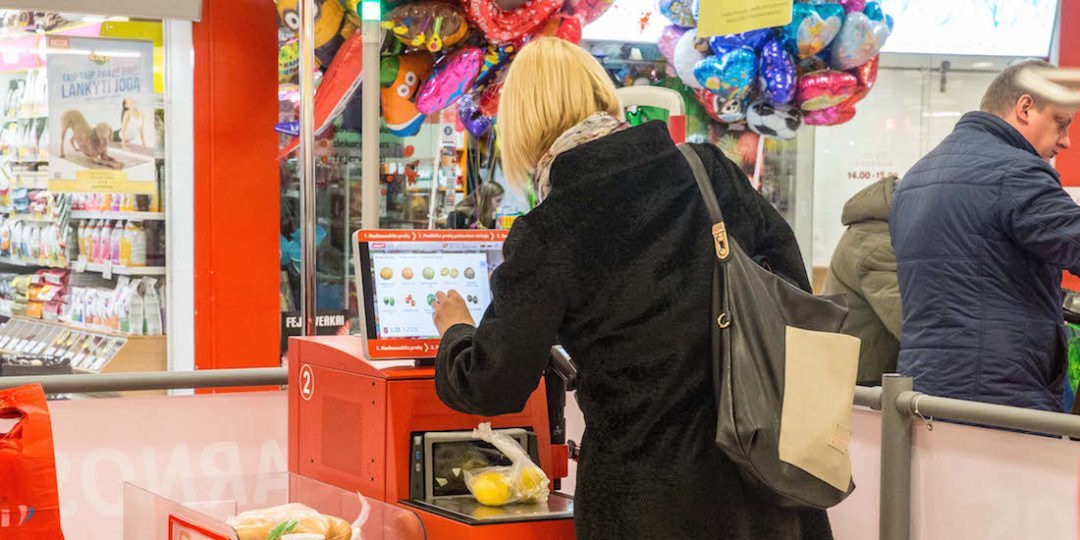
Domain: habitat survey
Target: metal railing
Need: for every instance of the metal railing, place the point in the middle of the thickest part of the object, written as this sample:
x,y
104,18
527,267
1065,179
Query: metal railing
x,y
895,399
153,380
899,404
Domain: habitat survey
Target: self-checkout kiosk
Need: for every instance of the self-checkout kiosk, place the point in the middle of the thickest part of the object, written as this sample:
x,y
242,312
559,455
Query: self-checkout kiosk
x,y
363,413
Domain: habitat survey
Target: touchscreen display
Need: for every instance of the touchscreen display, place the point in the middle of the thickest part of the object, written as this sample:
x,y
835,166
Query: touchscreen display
x,y
406,275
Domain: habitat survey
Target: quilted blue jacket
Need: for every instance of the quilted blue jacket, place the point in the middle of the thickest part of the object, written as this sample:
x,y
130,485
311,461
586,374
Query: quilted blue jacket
x,y
982,231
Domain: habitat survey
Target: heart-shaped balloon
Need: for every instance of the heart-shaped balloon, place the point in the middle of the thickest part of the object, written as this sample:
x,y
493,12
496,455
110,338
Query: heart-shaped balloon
x,y
453,76
500,26
754,39
859,40
813,27
874,11
777,121
587,10
679,12
866,74
686,57
777,73
825,89
829,117
668,38
562,26
852,5
730,76
474,121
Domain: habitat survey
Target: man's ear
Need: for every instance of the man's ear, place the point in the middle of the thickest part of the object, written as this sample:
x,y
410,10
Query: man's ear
x,y
1023,108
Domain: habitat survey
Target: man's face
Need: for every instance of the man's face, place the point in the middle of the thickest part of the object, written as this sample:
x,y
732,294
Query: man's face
x,y
1049,130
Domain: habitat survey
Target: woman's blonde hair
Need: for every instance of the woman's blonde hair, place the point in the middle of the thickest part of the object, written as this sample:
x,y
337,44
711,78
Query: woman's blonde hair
x,y
551,86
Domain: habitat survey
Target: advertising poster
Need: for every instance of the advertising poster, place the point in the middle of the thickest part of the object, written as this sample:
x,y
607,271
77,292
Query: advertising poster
x,y
101,115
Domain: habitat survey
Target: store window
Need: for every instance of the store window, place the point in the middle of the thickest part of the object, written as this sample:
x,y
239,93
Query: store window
x,y
84,252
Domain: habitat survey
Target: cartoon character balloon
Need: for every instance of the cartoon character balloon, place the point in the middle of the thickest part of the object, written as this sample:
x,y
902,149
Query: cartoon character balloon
x,y
428,24
859,40
405,73
331,26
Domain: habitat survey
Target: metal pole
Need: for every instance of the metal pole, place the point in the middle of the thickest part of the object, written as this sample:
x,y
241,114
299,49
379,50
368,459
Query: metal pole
x,y
895,461
307,167
153,380
999,416
369,147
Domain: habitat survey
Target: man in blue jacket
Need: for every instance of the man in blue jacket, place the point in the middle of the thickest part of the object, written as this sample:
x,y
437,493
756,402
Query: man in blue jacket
x,y
982,230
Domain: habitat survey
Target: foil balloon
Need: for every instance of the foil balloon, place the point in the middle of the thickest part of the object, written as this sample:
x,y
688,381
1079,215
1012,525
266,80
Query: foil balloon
x,y
562,26
474,121
339,83
679,12
496,59
874,12
331,26
668,38
429,25
852,5
812,28
453,76
825,89
730,76
687,56
754,39
829,117
776,121
866,74
404,74
489,100
777,73
509,5
587,10
859,40
500,26
288,61
810,65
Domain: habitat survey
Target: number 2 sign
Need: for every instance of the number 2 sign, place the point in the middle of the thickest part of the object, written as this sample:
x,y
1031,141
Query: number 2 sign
x,y
307,382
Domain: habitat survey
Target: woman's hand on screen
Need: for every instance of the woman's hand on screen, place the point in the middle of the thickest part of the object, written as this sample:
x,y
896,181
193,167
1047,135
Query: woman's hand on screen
x,y
450,310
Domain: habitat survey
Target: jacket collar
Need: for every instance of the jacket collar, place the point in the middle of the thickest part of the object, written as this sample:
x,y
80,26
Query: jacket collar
x,y
615,152
997,127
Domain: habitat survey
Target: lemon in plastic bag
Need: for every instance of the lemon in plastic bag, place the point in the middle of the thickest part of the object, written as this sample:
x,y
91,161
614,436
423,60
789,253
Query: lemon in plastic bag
x,y
531,481
491,488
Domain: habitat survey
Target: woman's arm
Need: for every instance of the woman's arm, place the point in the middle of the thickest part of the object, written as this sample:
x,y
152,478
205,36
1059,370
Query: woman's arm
x,y
494,368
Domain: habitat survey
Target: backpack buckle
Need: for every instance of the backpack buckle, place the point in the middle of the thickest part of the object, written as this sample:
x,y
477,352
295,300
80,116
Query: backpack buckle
x,y
723,249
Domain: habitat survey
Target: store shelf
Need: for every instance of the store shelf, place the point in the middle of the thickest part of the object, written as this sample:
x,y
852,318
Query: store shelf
x,y
144,216
28,218
128,271
24,264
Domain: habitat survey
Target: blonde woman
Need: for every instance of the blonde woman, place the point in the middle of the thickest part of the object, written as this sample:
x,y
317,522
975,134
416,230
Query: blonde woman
x,y
616,264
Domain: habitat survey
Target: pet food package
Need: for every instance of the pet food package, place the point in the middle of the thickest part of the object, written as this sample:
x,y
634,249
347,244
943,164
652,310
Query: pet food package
x,y
522,482
291,519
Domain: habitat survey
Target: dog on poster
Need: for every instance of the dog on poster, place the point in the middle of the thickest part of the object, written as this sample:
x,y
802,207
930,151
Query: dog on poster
x,y
92,142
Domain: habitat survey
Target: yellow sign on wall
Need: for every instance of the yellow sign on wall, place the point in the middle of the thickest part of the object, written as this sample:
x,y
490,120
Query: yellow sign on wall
x,y
100,181
723,17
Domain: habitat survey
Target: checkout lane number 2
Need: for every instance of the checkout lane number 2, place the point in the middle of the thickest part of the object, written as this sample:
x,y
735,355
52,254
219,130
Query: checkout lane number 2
x,y
307,382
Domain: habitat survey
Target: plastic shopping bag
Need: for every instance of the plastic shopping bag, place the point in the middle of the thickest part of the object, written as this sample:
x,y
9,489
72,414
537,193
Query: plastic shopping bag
x,y
279,521
29,505
522,482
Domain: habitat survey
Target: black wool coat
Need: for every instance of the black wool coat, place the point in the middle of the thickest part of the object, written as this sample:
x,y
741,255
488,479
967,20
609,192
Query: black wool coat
x,y
616,265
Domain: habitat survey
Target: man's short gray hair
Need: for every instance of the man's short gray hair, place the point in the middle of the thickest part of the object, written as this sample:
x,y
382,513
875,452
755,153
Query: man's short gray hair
x,y
1004,92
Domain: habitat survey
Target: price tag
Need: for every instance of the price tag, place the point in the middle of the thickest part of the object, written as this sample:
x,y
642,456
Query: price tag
x,y
107,273
80,264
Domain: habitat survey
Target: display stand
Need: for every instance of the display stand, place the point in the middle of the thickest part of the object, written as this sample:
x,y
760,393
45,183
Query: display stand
x,y
210,502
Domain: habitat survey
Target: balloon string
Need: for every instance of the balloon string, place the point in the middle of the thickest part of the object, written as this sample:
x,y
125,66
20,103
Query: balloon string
x,y
759,163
